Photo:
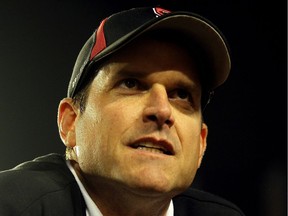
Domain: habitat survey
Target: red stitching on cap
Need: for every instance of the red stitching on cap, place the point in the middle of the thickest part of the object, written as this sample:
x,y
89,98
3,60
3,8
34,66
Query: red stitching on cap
x,y
100,41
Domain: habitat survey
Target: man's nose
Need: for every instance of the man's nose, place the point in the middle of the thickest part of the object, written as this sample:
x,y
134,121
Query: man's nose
x,y
158,108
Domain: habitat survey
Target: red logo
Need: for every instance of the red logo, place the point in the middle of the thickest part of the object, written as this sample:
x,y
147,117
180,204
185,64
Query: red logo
x,y
160,11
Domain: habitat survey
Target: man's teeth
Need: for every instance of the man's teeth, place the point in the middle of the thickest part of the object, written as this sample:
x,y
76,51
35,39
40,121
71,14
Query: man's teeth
x,y
149,149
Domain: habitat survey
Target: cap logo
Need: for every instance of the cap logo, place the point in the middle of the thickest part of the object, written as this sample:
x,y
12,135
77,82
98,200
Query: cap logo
x,y
160,11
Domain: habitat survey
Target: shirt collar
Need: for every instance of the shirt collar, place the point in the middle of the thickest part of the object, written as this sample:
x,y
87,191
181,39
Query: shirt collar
x,y
91,207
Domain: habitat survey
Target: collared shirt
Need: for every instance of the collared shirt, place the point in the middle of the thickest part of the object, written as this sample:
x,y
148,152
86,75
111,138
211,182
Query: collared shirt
x,y
91,207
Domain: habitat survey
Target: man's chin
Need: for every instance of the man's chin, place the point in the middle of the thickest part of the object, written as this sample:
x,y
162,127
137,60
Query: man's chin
x,y
157,188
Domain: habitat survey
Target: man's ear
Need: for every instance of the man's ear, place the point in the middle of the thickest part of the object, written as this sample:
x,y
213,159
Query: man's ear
x,y
203,142
67,115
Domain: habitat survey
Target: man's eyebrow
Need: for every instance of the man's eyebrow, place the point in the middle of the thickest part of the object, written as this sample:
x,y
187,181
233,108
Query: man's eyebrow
x,y
188,85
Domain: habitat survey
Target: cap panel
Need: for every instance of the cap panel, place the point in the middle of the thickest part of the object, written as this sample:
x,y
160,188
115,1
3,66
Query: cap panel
x,y
82,60
208,38
125,22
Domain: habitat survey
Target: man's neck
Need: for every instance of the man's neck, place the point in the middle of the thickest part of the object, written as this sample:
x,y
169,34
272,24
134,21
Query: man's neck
x,y
115,199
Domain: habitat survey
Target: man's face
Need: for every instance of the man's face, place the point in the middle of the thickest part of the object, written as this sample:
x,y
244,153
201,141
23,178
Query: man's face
x,y
142,125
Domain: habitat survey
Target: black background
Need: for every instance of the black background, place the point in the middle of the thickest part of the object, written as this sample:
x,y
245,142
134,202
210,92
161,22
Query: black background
x,y
246,157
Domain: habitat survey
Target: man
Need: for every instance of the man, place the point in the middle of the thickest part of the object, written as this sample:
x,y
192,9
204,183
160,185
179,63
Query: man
x,y
132,123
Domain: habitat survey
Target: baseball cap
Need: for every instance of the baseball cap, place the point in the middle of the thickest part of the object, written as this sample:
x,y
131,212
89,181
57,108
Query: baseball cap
x,y
119,29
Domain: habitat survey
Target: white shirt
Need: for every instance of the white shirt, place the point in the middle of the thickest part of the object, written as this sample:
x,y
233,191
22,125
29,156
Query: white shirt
x,y
91,207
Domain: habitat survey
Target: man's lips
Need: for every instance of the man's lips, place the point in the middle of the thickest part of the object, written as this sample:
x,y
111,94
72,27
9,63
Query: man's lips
x,y
153,145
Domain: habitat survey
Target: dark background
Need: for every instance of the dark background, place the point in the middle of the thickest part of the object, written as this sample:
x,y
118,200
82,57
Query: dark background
x,y
246,157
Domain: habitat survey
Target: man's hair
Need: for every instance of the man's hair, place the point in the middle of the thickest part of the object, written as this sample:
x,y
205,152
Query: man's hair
x,y
80,98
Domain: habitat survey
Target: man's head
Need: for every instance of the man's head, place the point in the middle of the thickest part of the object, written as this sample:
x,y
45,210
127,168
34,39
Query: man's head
x,y
141,129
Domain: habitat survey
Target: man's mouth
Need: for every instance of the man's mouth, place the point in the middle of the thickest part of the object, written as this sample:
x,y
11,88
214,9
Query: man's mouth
x,y
160,148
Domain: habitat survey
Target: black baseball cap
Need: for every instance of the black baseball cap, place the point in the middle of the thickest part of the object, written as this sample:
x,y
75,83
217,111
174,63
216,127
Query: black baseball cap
x,y
121,28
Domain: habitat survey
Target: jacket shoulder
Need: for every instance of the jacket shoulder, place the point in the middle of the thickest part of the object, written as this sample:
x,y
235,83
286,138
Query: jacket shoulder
x,y
37,184
197,202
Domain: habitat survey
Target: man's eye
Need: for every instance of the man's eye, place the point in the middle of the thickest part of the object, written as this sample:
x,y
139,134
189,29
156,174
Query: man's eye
x,y
181,94
129,83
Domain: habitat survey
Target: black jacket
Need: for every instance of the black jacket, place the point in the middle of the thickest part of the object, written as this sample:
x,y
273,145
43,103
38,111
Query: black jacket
x,y
45,186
